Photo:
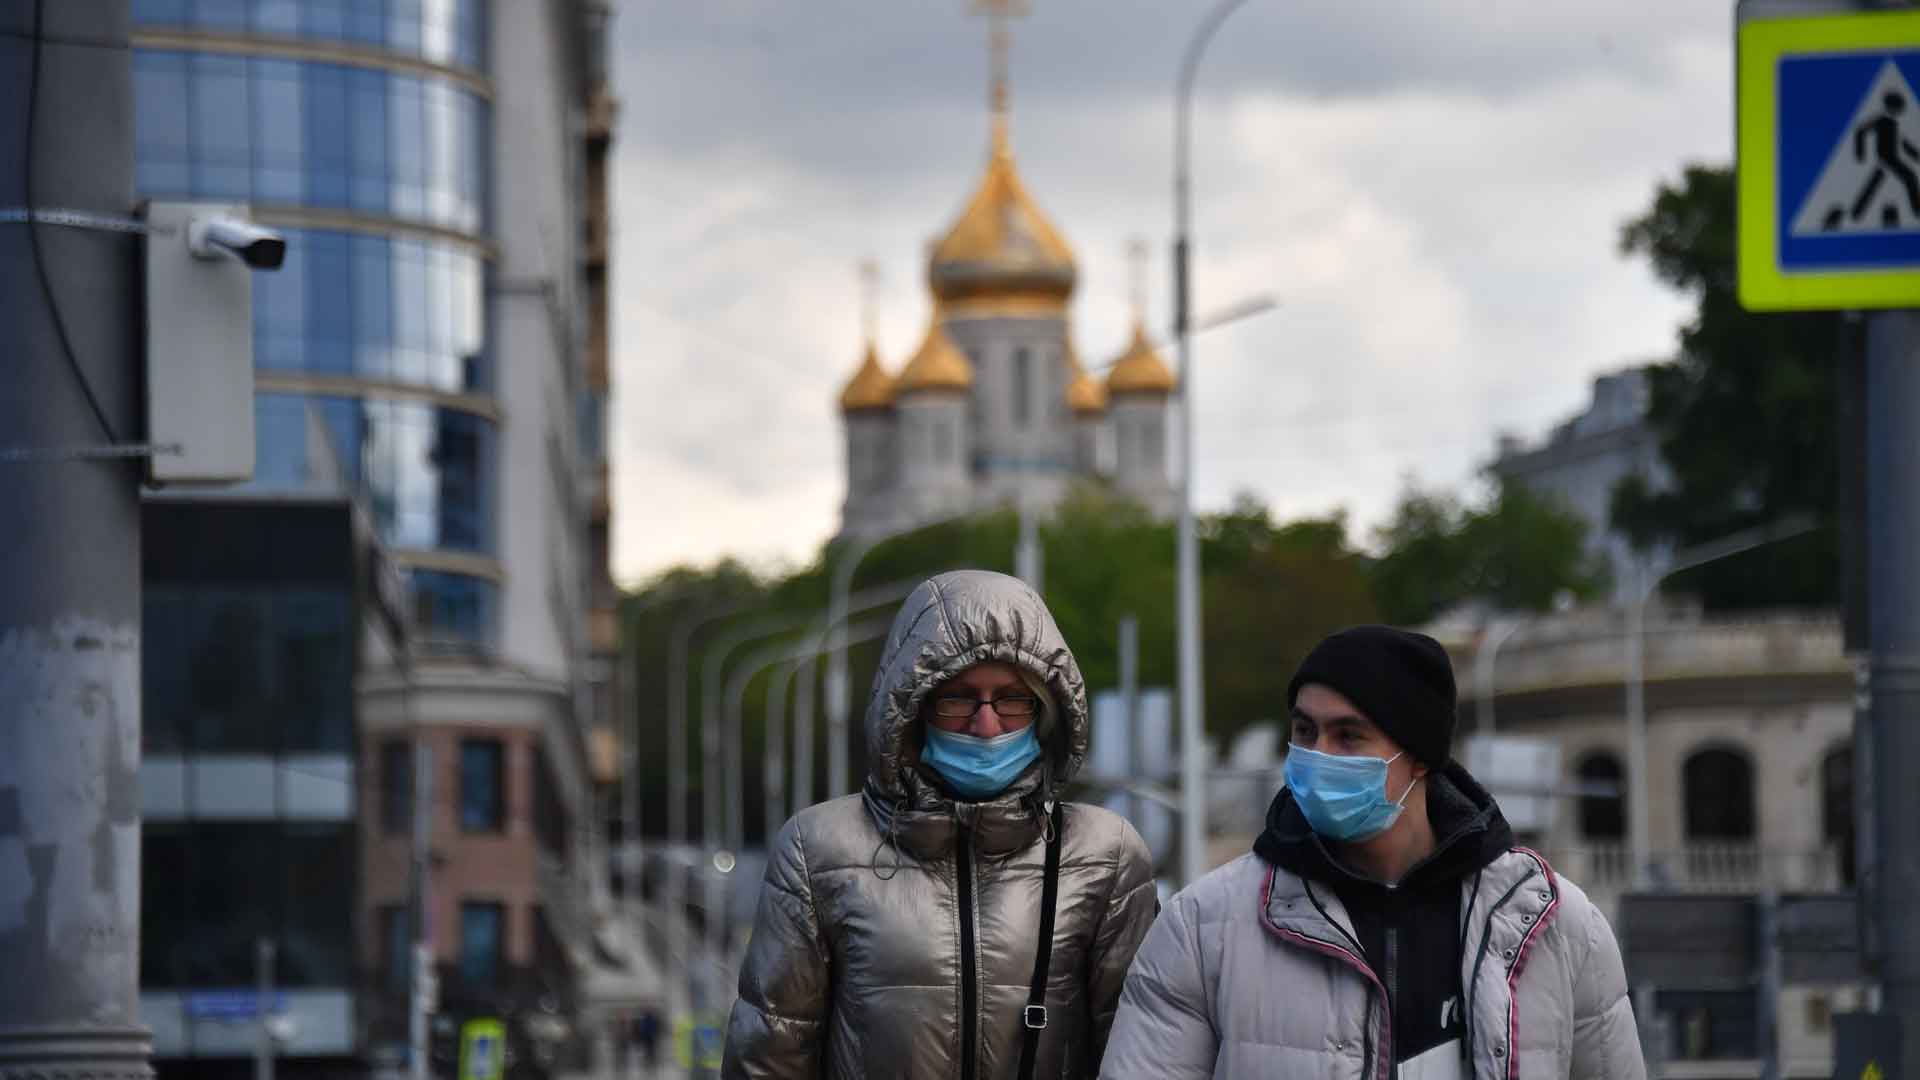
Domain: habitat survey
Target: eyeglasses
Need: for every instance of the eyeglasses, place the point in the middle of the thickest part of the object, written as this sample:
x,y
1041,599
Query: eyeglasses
x,y
1013,706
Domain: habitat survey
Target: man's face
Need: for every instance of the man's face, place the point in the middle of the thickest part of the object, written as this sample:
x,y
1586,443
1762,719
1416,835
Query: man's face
x,y
1325,721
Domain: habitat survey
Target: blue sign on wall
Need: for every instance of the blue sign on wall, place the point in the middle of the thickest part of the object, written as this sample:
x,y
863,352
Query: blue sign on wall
x,y
231,1004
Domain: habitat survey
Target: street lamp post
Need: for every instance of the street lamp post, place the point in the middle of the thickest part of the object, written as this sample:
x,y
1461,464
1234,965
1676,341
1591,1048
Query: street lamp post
x,y
1483,660
1193,826
838,696
1638,825
783,657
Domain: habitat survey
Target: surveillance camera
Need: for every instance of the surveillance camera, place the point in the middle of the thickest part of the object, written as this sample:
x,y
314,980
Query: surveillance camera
x,y
210,237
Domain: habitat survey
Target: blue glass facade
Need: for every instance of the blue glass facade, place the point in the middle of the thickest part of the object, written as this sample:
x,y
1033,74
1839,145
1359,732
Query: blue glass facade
x,y
380,308
450,32
277,132
380,328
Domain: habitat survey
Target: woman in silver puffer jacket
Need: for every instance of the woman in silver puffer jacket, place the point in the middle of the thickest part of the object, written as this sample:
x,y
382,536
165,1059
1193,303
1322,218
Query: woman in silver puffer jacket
x,y
899,928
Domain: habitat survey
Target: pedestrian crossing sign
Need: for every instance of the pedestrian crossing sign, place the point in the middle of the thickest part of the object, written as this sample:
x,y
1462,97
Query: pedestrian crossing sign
x,y
1828,156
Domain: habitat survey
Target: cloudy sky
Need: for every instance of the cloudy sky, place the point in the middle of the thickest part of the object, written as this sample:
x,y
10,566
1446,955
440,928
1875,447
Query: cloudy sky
x,y
1432,189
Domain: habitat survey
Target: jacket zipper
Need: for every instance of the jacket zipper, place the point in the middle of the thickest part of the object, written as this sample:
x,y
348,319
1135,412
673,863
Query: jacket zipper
x,y
1393,966
968,976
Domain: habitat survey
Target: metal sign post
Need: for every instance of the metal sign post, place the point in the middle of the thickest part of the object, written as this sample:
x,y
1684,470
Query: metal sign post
x,y
1829,219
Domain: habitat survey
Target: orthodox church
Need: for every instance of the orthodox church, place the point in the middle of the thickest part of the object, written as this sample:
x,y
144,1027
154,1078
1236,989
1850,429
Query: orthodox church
x,y
994,408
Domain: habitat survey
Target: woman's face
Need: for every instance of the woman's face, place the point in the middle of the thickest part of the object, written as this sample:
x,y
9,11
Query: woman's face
x,y
985,700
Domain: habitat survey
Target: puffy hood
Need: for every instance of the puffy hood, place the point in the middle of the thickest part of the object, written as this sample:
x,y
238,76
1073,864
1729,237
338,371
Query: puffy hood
x,y
948,624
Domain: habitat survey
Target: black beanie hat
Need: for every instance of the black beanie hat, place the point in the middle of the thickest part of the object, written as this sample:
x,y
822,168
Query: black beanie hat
x,y
1401,680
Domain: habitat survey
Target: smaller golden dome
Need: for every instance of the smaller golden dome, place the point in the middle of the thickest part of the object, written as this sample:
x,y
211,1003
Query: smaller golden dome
x,y
870,388
939,365
1140,369
1085,394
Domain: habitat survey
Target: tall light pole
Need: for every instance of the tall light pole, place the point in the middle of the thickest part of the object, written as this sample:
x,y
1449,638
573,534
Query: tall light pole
x,y
783,658
1496,635
1193,825
1638,832
839,699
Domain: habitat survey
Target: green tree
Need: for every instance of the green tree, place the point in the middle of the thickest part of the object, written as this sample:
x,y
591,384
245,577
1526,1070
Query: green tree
x,y
1516,551
1745,415
1272,591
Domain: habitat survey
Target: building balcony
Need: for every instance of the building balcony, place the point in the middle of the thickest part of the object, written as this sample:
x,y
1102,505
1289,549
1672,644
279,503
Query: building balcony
x,y
1606,869
1583,653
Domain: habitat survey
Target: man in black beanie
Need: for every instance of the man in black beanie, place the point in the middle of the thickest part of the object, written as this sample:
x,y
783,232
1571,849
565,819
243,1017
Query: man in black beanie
x,y
1384,924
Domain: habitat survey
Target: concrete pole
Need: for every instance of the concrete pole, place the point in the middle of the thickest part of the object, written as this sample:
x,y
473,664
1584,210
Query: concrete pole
x,y
1029,557
1130,708
1767,949
627,727
805,737
1193,803
1639,828
69,554
422,847
773,773
1893,575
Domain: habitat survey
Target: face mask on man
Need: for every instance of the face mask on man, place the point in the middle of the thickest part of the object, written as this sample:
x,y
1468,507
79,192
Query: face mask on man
x,y
1344,798
978,768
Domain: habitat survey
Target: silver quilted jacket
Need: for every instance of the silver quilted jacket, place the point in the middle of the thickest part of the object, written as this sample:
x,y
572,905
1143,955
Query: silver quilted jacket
x,y
1247,974
856,967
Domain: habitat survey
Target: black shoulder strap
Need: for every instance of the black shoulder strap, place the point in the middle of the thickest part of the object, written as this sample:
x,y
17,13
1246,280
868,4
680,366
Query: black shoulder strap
x,y
1034,1016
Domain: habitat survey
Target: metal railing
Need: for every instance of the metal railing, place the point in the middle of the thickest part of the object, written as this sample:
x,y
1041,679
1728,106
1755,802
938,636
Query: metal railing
x,y
1709,867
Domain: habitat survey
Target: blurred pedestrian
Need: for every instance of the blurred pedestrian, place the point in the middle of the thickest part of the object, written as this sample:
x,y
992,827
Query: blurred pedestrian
x,y
646,1032
1384,924
954,918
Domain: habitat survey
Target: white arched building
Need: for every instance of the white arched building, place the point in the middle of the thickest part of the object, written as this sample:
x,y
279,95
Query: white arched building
x,y
1750,783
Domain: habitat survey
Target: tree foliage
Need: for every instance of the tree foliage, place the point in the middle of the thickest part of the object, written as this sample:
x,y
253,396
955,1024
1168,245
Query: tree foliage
x,y
1270,591
1745,415
1516,552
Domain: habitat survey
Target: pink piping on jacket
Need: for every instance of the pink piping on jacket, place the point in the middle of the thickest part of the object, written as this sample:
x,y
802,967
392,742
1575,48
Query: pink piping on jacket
x,y
1520,958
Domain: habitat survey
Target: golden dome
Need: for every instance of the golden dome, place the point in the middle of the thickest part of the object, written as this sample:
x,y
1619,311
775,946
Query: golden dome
x,y
939,365
870,388
1002,247
1085,394
1140,369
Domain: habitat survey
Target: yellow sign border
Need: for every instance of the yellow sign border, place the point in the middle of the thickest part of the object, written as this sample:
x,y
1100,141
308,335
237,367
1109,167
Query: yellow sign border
x,y
1761,44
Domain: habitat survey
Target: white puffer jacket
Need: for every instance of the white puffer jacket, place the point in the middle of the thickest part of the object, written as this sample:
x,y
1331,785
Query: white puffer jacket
x,y
1245,976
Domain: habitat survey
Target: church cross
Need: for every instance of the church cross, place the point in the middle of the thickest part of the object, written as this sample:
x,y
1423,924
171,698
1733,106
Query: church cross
x,y
999,42
869,299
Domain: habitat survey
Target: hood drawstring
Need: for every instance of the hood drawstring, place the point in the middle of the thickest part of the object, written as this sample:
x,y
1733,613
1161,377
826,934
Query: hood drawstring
x,y
889,840
1041,808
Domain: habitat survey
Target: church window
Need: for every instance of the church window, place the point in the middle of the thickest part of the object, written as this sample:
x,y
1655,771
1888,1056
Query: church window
x,y
1022,387
942,441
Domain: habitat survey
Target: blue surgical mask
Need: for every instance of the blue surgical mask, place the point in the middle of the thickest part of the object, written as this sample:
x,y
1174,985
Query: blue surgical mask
x,y
1344,798
978,768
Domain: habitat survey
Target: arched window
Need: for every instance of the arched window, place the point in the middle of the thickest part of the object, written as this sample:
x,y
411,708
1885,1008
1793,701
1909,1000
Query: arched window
x,y
1602,816
1719,796
1836,805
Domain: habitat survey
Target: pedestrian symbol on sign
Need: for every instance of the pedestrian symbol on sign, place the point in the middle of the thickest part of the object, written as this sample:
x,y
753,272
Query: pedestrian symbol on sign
x,y
1871,181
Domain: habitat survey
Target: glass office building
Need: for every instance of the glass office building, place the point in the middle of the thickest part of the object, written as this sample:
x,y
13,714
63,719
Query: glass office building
x,y
363,129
